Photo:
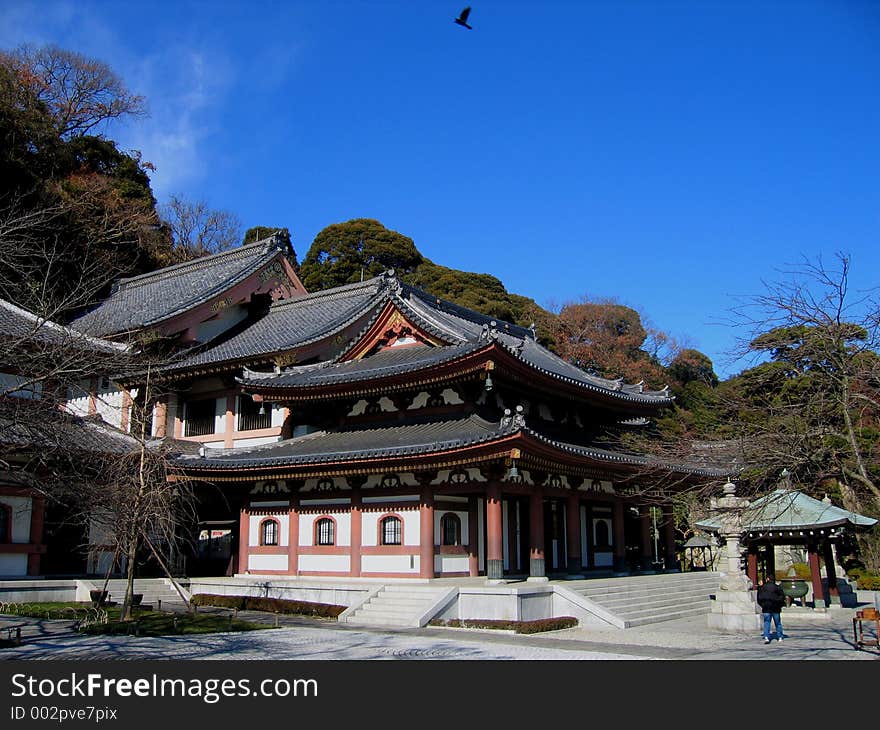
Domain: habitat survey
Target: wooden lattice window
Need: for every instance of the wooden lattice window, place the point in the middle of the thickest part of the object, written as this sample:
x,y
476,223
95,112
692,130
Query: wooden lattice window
x,y
199,416
269,532
391,530
325,532
450,529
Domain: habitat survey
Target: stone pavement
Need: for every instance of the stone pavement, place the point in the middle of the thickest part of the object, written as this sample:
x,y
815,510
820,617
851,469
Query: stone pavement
x,y
686,639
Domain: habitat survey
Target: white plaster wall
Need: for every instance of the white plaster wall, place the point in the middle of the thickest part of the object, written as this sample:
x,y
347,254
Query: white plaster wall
x,y
227,318
13,564
451,563
267,562
277,415
389,563
21,517
220,415
78,397
325,563
370,529
462,516
307,528
238,443
108,405
254,529
213,444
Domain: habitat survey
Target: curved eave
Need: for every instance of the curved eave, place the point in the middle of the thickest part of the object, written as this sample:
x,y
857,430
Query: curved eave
x,y
372,461
521,444
493,356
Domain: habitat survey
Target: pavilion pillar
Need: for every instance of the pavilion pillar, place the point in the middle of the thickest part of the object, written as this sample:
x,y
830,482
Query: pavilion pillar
x,y
229,421
752,566
830,572
293,536
619,538
818,593
645,534
244,522
494,540
357,526
426,533
160,416
669,554
537,568
473,538
573,534
38,512
770,560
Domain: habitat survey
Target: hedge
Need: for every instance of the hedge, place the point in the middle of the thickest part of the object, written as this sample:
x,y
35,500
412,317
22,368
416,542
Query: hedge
x,y
520,627
271,605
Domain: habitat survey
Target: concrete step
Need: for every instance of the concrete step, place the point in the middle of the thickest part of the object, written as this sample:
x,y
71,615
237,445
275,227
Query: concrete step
x,y
645,611
611,602
630,623
382,621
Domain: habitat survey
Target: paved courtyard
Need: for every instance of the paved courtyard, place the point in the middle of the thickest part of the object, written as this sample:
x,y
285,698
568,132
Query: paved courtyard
x,y
687,639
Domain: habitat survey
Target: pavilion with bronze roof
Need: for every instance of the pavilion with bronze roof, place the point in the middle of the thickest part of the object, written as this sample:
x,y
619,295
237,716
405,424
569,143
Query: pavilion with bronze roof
x,y
415,438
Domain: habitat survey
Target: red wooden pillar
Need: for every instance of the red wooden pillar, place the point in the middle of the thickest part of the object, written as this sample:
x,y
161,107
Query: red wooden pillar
x,y
619,538
645,533
818,593
537,567
753,566
357,528
573,534
426,534
38,512
494,546
229,421
293,537
244,522
473,538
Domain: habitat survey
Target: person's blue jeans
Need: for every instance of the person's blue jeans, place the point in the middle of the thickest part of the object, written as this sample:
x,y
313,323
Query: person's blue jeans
x,y
776,618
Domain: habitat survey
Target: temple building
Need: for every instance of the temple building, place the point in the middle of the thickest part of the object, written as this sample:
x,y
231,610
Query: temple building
x,y
374,430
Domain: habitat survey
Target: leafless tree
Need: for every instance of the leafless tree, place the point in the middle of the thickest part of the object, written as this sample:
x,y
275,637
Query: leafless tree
x,y
81,93
199,230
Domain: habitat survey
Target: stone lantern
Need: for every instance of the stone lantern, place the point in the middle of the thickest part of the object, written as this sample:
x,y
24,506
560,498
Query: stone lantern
x,y
734,608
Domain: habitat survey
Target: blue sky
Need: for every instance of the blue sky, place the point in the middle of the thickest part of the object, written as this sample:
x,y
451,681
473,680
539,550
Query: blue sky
x,y
671,155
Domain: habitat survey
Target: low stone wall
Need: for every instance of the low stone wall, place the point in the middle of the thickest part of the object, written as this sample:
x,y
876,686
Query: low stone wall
x,y
43,590
313,591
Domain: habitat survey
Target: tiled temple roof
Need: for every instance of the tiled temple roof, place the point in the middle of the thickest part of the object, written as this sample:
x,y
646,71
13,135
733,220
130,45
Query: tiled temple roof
x,y
290,323
307,319
788,509
19,325
418,437
146,300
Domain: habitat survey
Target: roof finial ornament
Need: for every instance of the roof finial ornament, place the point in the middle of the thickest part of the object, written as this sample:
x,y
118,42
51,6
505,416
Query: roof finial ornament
x,y
519,420
786,478
532,330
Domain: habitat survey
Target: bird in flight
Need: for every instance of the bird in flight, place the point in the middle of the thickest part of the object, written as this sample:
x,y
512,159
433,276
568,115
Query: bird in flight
x,y
462,18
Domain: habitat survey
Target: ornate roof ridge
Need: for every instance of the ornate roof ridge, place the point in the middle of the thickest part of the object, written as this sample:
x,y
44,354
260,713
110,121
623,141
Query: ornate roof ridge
x,y
270,244
327,293
470,315
588,379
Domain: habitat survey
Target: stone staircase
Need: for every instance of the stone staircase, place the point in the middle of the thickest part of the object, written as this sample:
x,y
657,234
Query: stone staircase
x,y
154,590
399,605
649,599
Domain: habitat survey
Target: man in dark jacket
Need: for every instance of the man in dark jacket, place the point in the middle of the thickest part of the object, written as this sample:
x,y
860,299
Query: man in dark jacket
x,y
771,599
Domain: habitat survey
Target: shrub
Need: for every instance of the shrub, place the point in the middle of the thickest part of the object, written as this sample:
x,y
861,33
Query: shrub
x,y
869,582
271,605
520,627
